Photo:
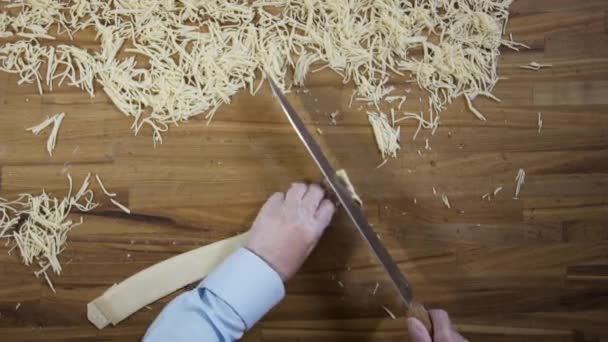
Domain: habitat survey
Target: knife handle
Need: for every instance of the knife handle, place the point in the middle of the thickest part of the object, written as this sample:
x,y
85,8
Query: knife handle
x,y
419,312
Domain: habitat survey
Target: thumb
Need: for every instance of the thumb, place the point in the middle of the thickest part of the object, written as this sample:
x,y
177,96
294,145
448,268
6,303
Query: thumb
x,y
417,331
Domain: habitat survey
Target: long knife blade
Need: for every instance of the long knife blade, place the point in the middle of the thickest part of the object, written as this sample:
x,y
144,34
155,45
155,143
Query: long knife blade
x,y
345,198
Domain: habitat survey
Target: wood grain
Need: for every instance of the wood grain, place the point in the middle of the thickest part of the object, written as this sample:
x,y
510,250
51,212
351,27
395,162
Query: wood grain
x,y
532,269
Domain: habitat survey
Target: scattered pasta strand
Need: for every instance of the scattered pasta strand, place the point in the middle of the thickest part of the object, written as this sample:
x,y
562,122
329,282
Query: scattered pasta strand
x,y
519,181
375,290
120,206
111,195
56,121
432,123
333,116
41,126
474,110
103,188
446,201
389,312
535,66
49,282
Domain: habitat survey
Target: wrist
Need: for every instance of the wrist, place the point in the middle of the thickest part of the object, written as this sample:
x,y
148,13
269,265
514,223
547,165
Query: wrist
x,y
268,262
264,288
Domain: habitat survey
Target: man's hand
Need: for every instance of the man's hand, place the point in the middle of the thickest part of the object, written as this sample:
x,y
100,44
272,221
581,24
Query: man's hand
x,y
442,329
289,226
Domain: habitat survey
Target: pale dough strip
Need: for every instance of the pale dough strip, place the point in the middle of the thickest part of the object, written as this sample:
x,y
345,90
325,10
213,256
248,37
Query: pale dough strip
x,y
147,286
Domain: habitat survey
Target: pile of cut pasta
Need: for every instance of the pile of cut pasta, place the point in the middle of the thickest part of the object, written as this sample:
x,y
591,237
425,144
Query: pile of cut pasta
x,y
199,53
39,224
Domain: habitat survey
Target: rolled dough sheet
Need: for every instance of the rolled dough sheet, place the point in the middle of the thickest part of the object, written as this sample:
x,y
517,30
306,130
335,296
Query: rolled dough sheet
x,y
147,286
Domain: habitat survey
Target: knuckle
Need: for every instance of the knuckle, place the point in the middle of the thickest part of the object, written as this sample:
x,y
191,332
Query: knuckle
x,y
297,185
316,187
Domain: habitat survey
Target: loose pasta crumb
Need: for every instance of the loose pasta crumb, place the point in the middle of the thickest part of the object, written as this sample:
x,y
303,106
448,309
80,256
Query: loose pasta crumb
x,y
519,180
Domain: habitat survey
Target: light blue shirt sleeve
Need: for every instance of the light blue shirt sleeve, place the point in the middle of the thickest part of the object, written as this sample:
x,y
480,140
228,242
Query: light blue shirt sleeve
x,y
224,305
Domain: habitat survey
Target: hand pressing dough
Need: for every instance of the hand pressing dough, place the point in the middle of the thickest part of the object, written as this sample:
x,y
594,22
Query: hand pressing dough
x,y
147,286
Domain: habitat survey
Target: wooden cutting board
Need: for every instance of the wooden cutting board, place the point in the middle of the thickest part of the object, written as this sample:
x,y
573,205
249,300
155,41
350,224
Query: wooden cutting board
x,y
505,269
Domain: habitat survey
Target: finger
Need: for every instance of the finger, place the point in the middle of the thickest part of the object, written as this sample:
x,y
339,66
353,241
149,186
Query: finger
x,y
442,327
417,331
295,193
274,201
313,197
324,213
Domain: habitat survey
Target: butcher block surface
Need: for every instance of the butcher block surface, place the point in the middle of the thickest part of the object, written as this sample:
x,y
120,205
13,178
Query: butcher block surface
x,y
528,269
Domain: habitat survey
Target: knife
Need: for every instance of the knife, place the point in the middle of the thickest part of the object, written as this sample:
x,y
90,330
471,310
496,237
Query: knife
x,y
354,211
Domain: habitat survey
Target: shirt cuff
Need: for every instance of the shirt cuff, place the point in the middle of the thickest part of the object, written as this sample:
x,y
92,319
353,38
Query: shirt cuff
x,y
246,283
